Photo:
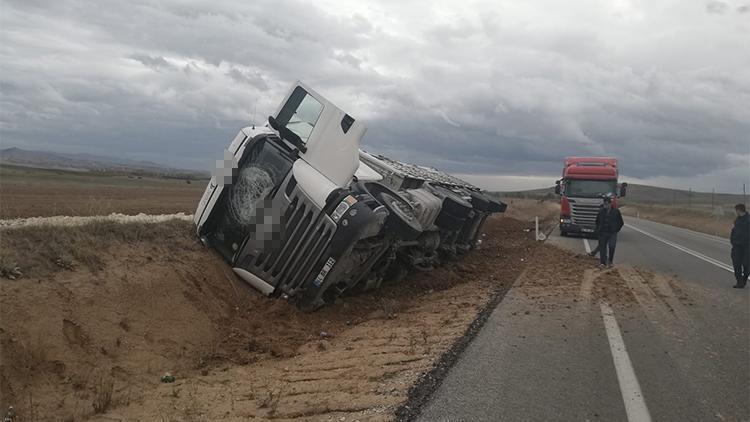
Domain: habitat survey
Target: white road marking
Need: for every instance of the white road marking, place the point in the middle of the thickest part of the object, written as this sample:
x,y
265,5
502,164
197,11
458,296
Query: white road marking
x,y
586,245
635,405
684,249
695,233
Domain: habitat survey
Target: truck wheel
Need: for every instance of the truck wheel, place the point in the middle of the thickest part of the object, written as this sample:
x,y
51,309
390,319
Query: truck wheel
x,y
401,216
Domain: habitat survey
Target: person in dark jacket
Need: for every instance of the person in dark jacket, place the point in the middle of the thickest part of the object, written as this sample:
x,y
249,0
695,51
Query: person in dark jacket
x,y
596,250
608,223
740,240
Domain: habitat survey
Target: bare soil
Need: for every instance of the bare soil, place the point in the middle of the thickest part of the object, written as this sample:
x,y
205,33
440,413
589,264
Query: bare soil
x,y
31,192
90,336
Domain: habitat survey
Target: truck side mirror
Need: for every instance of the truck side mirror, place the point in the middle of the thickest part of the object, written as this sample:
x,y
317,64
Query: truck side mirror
x,y
623,189
287,134
557,188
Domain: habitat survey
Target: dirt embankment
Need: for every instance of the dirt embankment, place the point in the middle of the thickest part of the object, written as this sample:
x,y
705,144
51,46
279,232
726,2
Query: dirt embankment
x,y
100,312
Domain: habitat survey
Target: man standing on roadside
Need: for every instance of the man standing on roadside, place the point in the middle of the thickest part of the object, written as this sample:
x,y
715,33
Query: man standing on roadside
x,y
597,248
608,224
740,240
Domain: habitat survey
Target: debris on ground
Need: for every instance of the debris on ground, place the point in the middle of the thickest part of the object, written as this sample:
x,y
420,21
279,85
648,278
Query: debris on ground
x,y
167,378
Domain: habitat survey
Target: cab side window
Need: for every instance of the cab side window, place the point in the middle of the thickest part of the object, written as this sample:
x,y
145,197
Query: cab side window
x,y
300,113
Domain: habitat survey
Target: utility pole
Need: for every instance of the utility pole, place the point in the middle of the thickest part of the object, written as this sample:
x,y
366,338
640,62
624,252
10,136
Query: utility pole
x,y
744,194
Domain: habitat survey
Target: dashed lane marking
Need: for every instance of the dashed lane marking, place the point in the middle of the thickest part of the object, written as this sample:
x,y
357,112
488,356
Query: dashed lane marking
x,y
635,404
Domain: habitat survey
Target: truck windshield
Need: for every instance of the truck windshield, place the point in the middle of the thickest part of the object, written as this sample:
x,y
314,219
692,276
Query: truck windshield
x,y
590,188
262,169
300,113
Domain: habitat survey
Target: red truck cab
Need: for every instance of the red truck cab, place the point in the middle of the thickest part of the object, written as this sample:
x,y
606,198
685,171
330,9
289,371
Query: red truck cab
x,y
584,184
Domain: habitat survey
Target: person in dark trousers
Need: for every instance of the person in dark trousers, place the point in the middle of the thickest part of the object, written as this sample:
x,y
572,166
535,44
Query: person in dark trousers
x,y
608,223
740,240
597,248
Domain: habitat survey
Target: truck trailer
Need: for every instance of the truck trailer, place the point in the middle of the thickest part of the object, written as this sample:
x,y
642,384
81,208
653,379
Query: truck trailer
x,y
585,182
300,212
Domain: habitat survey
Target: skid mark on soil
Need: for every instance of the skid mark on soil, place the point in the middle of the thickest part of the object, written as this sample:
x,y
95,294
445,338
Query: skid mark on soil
x,y
646,297
663,288
587,285
654,295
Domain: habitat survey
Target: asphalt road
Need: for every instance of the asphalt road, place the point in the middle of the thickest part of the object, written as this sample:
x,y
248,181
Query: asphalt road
x,y
681,353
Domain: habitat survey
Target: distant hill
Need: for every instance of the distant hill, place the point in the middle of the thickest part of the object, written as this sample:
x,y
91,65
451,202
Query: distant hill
x,y
646,195
88,162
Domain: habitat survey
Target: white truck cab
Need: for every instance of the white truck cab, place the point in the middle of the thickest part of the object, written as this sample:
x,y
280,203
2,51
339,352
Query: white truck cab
x,y
299,211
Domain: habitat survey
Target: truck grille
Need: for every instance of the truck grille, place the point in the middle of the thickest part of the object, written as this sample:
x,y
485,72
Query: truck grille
x,y
584,214
305,237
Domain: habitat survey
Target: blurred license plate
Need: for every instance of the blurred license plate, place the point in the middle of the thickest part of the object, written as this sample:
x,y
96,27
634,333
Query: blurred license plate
x,y
587,230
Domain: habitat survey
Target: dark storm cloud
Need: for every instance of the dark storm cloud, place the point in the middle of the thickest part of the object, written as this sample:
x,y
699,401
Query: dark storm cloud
x,y
154,62
484,88
251,78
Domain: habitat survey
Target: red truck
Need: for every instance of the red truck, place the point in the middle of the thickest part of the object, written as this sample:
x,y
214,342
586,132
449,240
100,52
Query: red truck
x,y
584,184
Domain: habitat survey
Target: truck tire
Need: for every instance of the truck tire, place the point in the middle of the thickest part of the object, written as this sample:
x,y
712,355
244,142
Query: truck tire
x,y
401,216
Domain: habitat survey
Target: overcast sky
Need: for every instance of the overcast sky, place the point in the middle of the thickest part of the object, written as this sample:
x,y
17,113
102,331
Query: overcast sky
x,y
500,91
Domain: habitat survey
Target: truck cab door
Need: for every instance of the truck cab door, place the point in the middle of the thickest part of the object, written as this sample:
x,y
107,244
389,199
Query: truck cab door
x,y
327,138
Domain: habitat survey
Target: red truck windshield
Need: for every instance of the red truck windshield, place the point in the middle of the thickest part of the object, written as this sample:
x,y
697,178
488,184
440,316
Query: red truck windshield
x,y
590,188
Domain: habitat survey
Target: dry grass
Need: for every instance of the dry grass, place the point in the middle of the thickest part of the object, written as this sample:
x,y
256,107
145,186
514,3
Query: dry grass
x,y
42,250
30,192
527,209
699,218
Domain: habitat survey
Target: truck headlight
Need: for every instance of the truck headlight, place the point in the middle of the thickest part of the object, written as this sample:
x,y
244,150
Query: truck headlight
x,y
343,206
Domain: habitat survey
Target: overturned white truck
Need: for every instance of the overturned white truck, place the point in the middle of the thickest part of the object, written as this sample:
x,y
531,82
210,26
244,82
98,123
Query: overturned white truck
x,y
300,212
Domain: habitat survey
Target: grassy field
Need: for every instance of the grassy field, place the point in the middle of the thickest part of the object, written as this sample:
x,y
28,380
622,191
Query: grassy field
x,y
698,218
699,211
32,192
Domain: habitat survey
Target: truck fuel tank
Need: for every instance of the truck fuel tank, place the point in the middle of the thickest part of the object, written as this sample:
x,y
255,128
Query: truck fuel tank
x,y
426,205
